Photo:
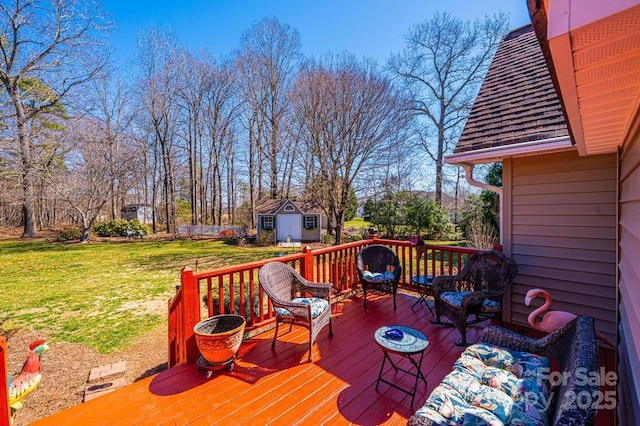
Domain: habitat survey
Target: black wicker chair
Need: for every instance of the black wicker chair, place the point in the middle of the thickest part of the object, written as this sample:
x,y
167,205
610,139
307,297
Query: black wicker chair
x,y
379,268
476,290
286,289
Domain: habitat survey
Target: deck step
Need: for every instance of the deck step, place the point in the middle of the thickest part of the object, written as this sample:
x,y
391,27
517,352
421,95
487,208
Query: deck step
x,y
100,373
105,379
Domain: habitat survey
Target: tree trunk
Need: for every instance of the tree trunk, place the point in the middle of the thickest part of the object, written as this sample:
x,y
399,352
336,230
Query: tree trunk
x,y
171,197
440,161
338,218
85,229
273,190
28,197
252,177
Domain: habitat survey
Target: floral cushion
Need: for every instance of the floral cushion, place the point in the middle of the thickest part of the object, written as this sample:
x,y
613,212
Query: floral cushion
x,y
522,364
377,277
317,306
490,385
447,403
454,298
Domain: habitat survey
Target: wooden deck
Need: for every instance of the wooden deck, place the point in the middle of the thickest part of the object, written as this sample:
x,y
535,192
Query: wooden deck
x,y
281,387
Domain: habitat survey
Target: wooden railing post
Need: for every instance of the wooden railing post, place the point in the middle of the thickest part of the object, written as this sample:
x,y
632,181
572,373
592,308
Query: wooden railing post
x,y
5,411
191,312
306,266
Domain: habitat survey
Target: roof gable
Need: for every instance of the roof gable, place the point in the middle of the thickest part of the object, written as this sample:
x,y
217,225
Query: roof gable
x,y
517,102
289,207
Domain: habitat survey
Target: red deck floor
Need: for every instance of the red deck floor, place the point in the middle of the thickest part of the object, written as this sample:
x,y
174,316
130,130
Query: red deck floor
x,y
280,387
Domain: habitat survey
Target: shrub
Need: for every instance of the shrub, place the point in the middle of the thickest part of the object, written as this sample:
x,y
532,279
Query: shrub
x,y
481,234
119,227
69,233
229,236
266,237
227,303
349,237
328,239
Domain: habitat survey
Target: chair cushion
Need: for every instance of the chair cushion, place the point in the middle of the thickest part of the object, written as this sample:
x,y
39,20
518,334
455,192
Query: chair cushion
x,y
377,277
454,298
491,385
317,306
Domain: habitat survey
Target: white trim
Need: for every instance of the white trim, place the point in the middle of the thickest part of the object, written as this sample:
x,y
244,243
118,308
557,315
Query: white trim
x,y
489,155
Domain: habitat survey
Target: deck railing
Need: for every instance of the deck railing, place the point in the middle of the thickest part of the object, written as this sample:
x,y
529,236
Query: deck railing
x,y
235,289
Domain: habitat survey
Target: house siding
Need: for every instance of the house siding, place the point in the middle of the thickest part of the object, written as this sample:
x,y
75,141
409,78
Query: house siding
x,y
629,285
562,234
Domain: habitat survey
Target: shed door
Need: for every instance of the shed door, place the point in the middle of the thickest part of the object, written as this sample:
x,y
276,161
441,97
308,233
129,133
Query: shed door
x,y
289,224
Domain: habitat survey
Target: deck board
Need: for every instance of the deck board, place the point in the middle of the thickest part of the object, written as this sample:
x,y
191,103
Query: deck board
x,y
276,387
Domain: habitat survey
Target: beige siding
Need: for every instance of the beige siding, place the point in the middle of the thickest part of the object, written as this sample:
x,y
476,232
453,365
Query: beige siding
x,y
311,235
629,282
562,234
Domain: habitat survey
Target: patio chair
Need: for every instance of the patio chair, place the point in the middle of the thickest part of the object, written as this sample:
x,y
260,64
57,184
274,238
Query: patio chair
x,y
476,290
289,292
378,267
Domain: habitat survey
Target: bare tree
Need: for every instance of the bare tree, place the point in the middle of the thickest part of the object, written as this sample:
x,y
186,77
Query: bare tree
x,y
221,111
441,67
110,105
350,117
47,49
195,81
160,68
89,165
253,123
268,58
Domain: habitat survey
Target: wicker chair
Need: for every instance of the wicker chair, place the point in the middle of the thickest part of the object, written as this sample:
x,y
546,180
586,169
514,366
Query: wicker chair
x,y
287,291
378,267
476,290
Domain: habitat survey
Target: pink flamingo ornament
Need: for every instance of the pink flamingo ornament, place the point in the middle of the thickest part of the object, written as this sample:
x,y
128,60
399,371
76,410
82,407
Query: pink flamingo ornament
x,y
552,320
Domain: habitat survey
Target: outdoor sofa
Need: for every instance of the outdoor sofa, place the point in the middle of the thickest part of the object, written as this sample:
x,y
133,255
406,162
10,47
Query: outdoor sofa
x,y
509,378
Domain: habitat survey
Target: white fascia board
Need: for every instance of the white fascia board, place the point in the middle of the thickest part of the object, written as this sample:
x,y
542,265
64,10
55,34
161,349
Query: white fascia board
x,y
493,154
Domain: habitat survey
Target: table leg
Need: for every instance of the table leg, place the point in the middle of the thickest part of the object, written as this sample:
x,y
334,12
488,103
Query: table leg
x,y
418,374
384,359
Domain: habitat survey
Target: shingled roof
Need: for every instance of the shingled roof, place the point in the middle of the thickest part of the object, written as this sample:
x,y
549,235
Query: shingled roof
x,y
272,206
517,102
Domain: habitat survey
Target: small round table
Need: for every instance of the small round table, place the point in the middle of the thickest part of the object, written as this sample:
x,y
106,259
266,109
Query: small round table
x,y
424,285
412,343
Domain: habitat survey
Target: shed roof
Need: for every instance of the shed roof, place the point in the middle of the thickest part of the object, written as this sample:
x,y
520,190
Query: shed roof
x,y
272,206
517,103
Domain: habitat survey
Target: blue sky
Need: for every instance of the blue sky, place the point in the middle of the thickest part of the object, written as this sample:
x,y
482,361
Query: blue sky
x,y
371,28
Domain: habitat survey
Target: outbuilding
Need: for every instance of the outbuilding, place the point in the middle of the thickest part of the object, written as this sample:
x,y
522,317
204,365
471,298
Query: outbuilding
x,y
292,221
142,212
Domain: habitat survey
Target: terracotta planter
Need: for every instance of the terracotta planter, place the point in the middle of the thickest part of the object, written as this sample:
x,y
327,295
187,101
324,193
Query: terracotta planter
x,y
219,337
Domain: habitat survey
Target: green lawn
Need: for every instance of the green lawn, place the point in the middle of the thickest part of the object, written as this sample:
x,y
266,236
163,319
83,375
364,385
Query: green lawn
x,y
358,223
102,294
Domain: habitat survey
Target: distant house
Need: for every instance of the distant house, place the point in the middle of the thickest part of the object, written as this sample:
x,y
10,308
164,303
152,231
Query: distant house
x,y
292,220
142,212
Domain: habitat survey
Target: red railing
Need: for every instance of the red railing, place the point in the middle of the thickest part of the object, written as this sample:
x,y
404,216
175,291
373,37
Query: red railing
x,y
184,314
5,411
235,289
